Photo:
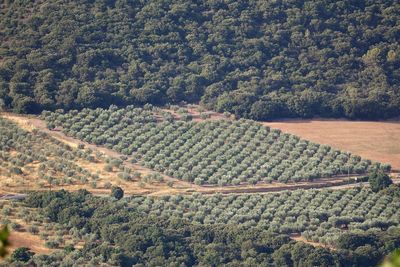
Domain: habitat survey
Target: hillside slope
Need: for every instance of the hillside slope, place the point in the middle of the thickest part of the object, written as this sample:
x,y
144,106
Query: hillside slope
x,y
257,59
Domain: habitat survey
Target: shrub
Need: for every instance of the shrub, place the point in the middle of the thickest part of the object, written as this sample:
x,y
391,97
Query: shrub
x,y
198,181
108,168
16,170
379,180
21,254
93,184
52,244
15,226
116,162
117,192
33,229
44,236
125,176
6,211
136,174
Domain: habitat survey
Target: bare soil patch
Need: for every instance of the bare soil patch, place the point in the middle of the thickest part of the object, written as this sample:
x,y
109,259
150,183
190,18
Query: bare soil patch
x,y
378,141
299,238
196,111
26,239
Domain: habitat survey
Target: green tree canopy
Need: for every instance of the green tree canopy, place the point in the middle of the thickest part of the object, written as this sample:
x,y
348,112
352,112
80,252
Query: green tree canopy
x,y
4,233
256,59
379,180
117,192
21,254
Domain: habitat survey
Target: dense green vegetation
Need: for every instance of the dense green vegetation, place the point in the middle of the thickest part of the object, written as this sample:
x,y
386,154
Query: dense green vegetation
x,y
379,181
21,254
215,152
257,59
319,215
4,233
117,192
153,231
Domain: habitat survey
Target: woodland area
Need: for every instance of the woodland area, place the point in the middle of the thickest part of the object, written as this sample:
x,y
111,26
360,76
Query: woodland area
x,y
256,59
143,232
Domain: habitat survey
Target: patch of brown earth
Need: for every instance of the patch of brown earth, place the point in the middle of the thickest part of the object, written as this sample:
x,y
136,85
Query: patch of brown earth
x,y
378,141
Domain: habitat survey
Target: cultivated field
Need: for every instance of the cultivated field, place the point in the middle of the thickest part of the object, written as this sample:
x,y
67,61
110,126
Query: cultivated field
x,y
168,184
46,162
221,152
378,141
318,215
10,185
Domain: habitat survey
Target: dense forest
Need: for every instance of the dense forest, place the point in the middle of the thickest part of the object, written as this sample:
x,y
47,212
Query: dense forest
x,y
124,233
257,59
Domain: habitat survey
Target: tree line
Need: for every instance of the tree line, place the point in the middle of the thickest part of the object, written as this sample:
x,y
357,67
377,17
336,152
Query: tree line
x,y
256,59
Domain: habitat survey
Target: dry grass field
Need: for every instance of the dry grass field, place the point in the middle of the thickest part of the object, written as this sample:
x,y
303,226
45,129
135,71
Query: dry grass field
x,y
25,239
378,141
21,237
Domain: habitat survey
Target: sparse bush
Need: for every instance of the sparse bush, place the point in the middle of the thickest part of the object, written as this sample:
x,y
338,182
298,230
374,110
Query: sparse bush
x,y
6,211
108,168
137,175
125,176
107,185
93,184
16,170
44,236
52,244
15,226
33,229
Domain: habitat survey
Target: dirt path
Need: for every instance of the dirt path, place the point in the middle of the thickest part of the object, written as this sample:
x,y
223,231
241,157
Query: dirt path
x,y
179,186
193,110
299,238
